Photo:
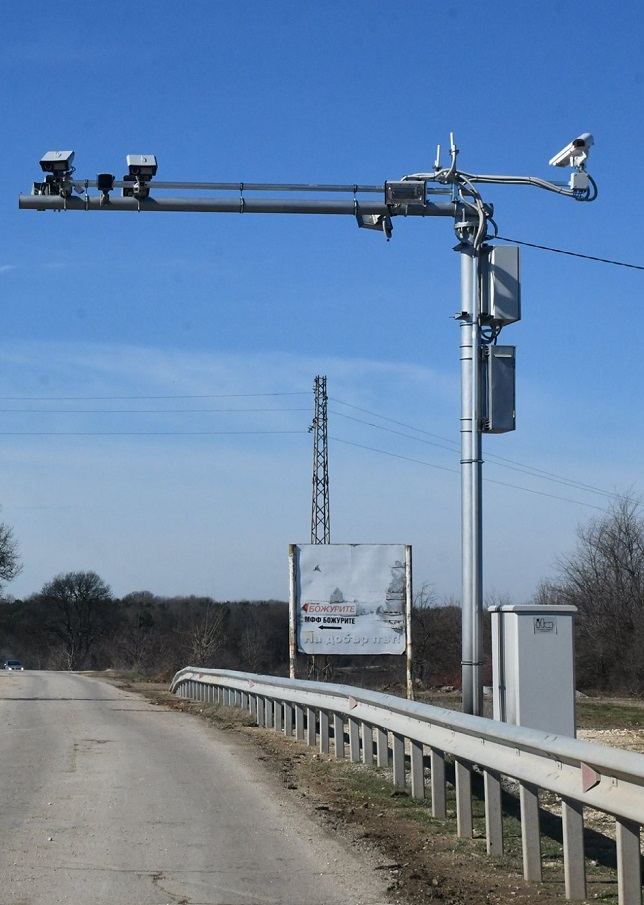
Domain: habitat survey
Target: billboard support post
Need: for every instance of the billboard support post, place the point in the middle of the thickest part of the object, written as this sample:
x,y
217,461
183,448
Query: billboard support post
x,y
409,651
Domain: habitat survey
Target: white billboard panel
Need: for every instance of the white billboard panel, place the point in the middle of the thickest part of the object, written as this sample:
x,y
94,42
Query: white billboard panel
x,y
351,598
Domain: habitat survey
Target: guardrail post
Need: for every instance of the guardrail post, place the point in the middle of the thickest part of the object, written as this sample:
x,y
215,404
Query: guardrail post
x,y
417,770
299,722
311,733
324,732
244,703
277,712
253,706
338,735
288,719
260,710
269,708
464,821
382,747
572,815
629,863
530,836
398,748
438,784
367,744
354,741
493,812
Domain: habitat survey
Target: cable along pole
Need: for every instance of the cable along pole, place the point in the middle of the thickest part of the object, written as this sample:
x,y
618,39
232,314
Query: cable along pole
x,y
490,299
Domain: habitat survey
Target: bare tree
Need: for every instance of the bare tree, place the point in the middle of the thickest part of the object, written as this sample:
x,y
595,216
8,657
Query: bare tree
x,y
436,631
10,565
206,634
604,579
75,611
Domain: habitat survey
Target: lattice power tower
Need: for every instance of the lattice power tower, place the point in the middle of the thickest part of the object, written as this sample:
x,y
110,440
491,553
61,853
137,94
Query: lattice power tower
x,y
320,523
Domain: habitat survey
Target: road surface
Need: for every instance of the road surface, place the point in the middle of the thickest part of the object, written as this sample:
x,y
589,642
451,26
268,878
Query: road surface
x,y
108,799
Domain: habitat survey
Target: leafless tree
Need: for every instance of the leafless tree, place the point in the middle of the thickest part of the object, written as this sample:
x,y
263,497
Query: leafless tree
x,y
10,565
604,579
206,635
436,634
75,609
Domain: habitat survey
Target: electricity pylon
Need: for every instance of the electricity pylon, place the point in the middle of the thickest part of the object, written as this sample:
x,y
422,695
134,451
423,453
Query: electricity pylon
x,y
320,523
320,667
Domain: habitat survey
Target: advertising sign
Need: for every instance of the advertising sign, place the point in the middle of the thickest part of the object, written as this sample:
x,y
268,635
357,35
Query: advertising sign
x,y
351,598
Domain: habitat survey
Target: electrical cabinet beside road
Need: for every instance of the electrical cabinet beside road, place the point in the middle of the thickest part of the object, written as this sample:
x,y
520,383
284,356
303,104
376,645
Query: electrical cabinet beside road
x,y
533,667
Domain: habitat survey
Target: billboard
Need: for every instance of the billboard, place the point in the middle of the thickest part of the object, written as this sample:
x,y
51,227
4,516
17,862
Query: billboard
x,y
350,598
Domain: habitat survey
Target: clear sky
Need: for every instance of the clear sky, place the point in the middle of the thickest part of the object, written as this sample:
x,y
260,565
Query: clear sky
x,y
157,370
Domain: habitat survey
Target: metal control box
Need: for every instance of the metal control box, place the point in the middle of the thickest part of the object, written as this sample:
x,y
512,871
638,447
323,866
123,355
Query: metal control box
x,y
501,285
499,367
533,667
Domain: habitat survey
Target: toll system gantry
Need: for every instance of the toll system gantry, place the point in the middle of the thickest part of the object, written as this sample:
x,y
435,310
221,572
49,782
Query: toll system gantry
x,y
489,300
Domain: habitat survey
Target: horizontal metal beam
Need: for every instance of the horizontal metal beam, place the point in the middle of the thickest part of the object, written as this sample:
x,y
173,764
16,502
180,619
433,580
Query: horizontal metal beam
x,y
239,205
248,186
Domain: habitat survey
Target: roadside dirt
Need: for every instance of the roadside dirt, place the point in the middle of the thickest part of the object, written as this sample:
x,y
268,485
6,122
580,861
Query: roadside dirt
x,y
423,858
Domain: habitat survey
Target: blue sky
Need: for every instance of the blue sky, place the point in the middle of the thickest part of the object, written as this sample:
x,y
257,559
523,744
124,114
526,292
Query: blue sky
x,y
125,336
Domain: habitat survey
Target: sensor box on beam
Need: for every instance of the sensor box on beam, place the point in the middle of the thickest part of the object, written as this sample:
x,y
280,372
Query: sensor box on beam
x,y
501,285
499,368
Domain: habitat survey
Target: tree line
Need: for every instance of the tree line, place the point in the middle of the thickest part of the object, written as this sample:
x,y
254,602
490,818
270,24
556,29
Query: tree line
x,y
76,623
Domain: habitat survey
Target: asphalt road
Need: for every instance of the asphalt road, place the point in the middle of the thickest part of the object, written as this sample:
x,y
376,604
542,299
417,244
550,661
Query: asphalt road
x,y
107,799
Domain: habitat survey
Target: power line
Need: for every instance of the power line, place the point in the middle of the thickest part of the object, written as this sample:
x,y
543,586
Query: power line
x,y
456,471
139,398
572,254
390,430
145,411
492,459
140,433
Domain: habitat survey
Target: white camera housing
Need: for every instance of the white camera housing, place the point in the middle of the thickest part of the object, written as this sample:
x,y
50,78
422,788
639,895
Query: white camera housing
x,y
574,154
57,161
142,165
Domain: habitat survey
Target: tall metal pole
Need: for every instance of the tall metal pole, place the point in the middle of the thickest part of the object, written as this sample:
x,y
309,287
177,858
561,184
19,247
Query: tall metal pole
x,y
471,483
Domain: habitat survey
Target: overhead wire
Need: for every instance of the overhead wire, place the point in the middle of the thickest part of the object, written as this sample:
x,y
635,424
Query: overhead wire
x,y
145,411
572,254
445,443
141,433
492,459
456,471
139,398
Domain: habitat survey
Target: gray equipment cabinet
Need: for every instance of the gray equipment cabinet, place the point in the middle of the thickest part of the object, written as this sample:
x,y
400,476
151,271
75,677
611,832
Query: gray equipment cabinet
x,y
533,667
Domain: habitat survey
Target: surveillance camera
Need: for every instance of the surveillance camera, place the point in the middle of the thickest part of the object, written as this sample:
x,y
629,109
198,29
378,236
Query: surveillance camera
x,y
574,154
135,187
381,222
57,161
142,165
105,182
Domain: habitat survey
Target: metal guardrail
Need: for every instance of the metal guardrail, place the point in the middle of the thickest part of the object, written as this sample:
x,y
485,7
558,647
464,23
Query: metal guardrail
x,y
393,732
